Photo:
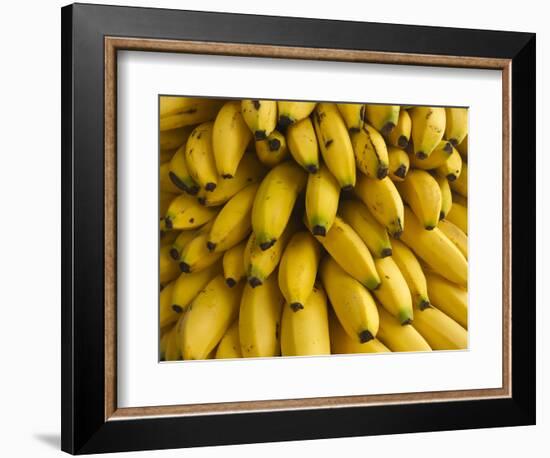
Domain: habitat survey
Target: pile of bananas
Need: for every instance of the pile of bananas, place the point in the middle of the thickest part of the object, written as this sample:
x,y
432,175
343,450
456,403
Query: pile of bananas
x,y
302,228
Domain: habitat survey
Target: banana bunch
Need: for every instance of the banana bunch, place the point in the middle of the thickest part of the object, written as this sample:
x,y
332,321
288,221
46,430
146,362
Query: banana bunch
x,y
311,228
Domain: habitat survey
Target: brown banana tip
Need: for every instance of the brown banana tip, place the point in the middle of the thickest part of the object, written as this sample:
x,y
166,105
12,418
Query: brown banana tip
x,y
319,230
274,144
382,172
397,234
448,148
193,190
168,222
365,336
267,245
451,177
387,128
296,306
312,168
227,176
421,155
386,252
407,321
230,282
401,171
177,308
403,141
284,122
254,281
184,267
260,135
211,246
354,130
454,142
347,188
429,228
201,200
210,186
424,304
441,216
174,254
176,181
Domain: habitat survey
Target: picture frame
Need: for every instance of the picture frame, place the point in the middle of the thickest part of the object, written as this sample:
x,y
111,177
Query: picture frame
x,y
92,35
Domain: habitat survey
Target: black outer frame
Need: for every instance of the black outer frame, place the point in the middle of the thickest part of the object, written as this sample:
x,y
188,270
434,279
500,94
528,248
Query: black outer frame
x,y
83,425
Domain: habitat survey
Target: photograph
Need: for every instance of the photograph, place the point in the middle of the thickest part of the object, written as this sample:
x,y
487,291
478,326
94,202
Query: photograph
x,y
310,228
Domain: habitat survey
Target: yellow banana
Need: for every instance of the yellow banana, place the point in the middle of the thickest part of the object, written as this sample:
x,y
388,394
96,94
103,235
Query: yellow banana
x,y
173,139
186,111
164,201
398,337
250,170
199,156
452,167
230,346
233,264
459,217
353,115
446,196
169,237
401,133
371,153
230,137
460,185
422,193
335,144
208,318
168,268
298,269
260,116
195,255
434,248
448,297
440,331
166,155
384,118
292,112
185,212
399,163
179,174
428,127
302,143
455,235
165,183
172,349
232,224
358,216
322,194
259,320
351,253
167,315
258,263
179,243
187,286
393,292
462,148
456,126
272,150
274,202
341,343
439,156
412,272
384,202
306,332
351,301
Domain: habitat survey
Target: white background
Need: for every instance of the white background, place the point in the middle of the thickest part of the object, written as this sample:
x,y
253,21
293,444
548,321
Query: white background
x,y
142,76
30,237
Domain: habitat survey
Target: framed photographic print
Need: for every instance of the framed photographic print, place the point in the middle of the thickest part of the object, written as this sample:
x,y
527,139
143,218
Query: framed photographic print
x,y
288,228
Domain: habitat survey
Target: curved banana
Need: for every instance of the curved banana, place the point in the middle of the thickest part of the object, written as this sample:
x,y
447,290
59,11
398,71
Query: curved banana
x,y
187,286
341,343
168,268
393,293
165,183
179,243
399,163
428,127
167,315
169,237
185,212
306,332
292,112
446,196
401,133
398,337
459,217
173,139
179,174
230,345
440,331
298,269
272,150
259,319
371,153
353,115
230,137
434,248
455,235
208,318
439,156
384,202
322,194
199,156
166,155
196,256
422,193
456,126
176,112
274,202
302,143
260,116
250,170
462,148
448,297
412,272
351,253
452,167
351,301
172,350
233,264
358,216
460,185
335,144
232,224
384,118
